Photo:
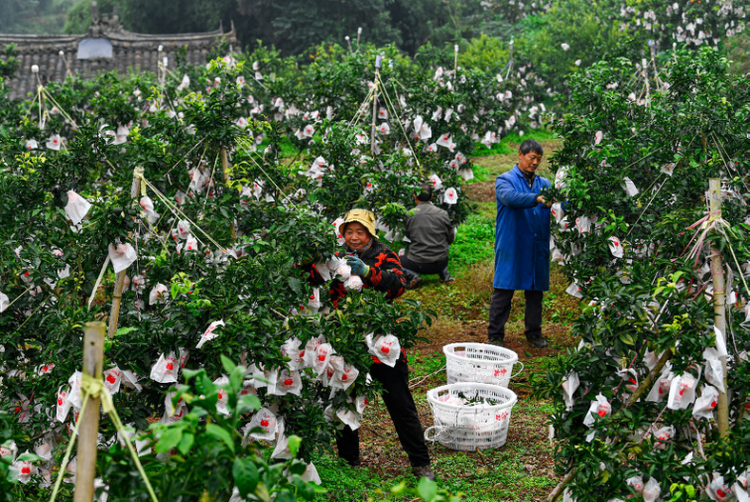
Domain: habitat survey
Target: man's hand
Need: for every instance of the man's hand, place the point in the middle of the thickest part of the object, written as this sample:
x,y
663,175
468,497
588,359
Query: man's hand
x,y
358,266
542,200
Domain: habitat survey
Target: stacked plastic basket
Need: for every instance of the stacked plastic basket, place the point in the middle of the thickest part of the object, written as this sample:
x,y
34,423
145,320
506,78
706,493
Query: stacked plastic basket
x,y
473,410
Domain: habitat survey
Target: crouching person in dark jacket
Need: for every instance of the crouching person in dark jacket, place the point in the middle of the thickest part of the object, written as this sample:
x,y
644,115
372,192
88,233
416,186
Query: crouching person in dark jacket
x,y
431,234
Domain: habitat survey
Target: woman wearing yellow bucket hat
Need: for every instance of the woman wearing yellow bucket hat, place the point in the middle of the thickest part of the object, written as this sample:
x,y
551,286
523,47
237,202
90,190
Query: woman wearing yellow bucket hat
x,y
380,269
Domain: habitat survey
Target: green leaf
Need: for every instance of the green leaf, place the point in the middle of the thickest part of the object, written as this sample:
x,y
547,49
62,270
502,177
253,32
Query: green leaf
x,y
188,373
229,366
28,457
690,489
247,403
125,331
427,489
627,339
204,385
222,434
294,444
186,443
399,488
285,496
169,439
295,285
245,475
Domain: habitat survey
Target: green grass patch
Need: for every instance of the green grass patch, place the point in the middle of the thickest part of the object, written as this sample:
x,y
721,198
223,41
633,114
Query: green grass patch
x,y
513,472
481,174
504,148
475,239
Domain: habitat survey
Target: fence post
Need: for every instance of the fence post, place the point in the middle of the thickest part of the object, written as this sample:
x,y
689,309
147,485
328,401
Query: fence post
x,y
717,275
93,360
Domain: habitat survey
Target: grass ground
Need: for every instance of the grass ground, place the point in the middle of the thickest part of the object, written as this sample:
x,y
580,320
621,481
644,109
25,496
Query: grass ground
x,y
522,470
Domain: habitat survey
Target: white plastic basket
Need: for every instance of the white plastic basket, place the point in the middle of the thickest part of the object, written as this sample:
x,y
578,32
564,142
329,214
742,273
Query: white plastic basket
x,y
480,362
482,423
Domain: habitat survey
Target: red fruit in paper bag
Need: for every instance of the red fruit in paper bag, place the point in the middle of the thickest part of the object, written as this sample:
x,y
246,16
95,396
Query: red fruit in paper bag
x,y
170,366
288,382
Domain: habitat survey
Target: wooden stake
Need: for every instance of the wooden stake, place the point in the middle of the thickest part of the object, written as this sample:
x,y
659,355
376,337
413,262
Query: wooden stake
x,y
720,312
114,313
225,168
93,360
378,62
138,187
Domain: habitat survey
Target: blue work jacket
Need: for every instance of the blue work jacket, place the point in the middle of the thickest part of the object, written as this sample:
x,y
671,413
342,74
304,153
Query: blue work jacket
x,y
521,233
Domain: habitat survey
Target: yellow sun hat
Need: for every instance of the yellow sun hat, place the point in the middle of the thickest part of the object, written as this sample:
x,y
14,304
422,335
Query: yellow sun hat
x,y
363,216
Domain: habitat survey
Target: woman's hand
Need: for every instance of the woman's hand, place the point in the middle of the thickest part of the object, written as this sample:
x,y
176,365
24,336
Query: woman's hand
x,y
358,266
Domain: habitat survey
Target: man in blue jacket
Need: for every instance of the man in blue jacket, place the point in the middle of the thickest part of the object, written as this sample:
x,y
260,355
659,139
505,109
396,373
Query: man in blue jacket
x,y
521,245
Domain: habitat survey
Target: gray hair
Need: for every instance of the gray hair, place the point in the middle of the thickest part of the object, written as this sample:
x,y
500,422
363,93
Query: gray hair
x,y
531,145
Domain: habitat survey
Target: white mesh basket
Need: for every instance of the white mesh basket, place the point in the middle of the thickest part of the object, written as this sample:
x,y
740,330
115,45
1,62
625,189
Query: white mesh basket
x,y
480,362
470,415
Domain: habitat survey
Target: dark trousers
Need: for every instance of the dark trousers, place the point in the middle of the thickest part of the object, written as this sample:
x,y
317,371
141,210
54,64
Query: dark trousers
x,y
413,269
500,310
400,403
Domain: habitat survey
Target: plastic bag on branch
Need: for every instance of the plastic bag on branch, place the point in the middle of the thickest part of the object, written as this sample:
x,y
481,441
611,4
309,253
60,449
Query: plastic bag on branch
x,y
386,348
600,408
615,247
682,391
636,482
266,420
291,349
569,386
719,491
166,369
76,208
113,379
173,413
268,376
317,354
344,374
661,387
281,451
706,404
223,396
287,382
651,491
122,256
629,382
210,334
714,369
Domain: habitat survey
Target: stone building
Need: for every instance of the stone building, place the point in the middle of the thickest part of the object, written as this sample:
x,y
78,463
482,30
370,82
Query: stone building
x,y
105,47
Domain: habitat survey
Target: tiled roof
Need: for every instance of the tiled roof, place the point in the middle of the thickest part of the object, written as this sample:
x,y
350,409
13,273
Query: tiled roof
x,y
130,52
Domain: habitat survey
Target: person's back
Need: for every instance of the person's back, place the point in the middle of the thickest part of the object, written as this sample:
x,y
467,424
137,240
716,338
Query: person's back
x,y
430,233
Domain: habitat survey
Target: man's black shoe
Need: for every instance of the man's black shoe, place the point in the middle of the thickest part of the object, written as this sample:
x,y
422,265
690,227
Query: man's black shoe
x,y
423,472
415,283
498,342
539,342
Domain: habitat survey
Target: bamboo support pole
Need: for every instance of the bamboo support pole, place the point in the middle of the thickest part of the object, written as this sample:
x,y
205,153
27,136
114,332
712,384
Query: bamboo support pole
x,y
114,313
225,169
720,312
93,360
375,105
